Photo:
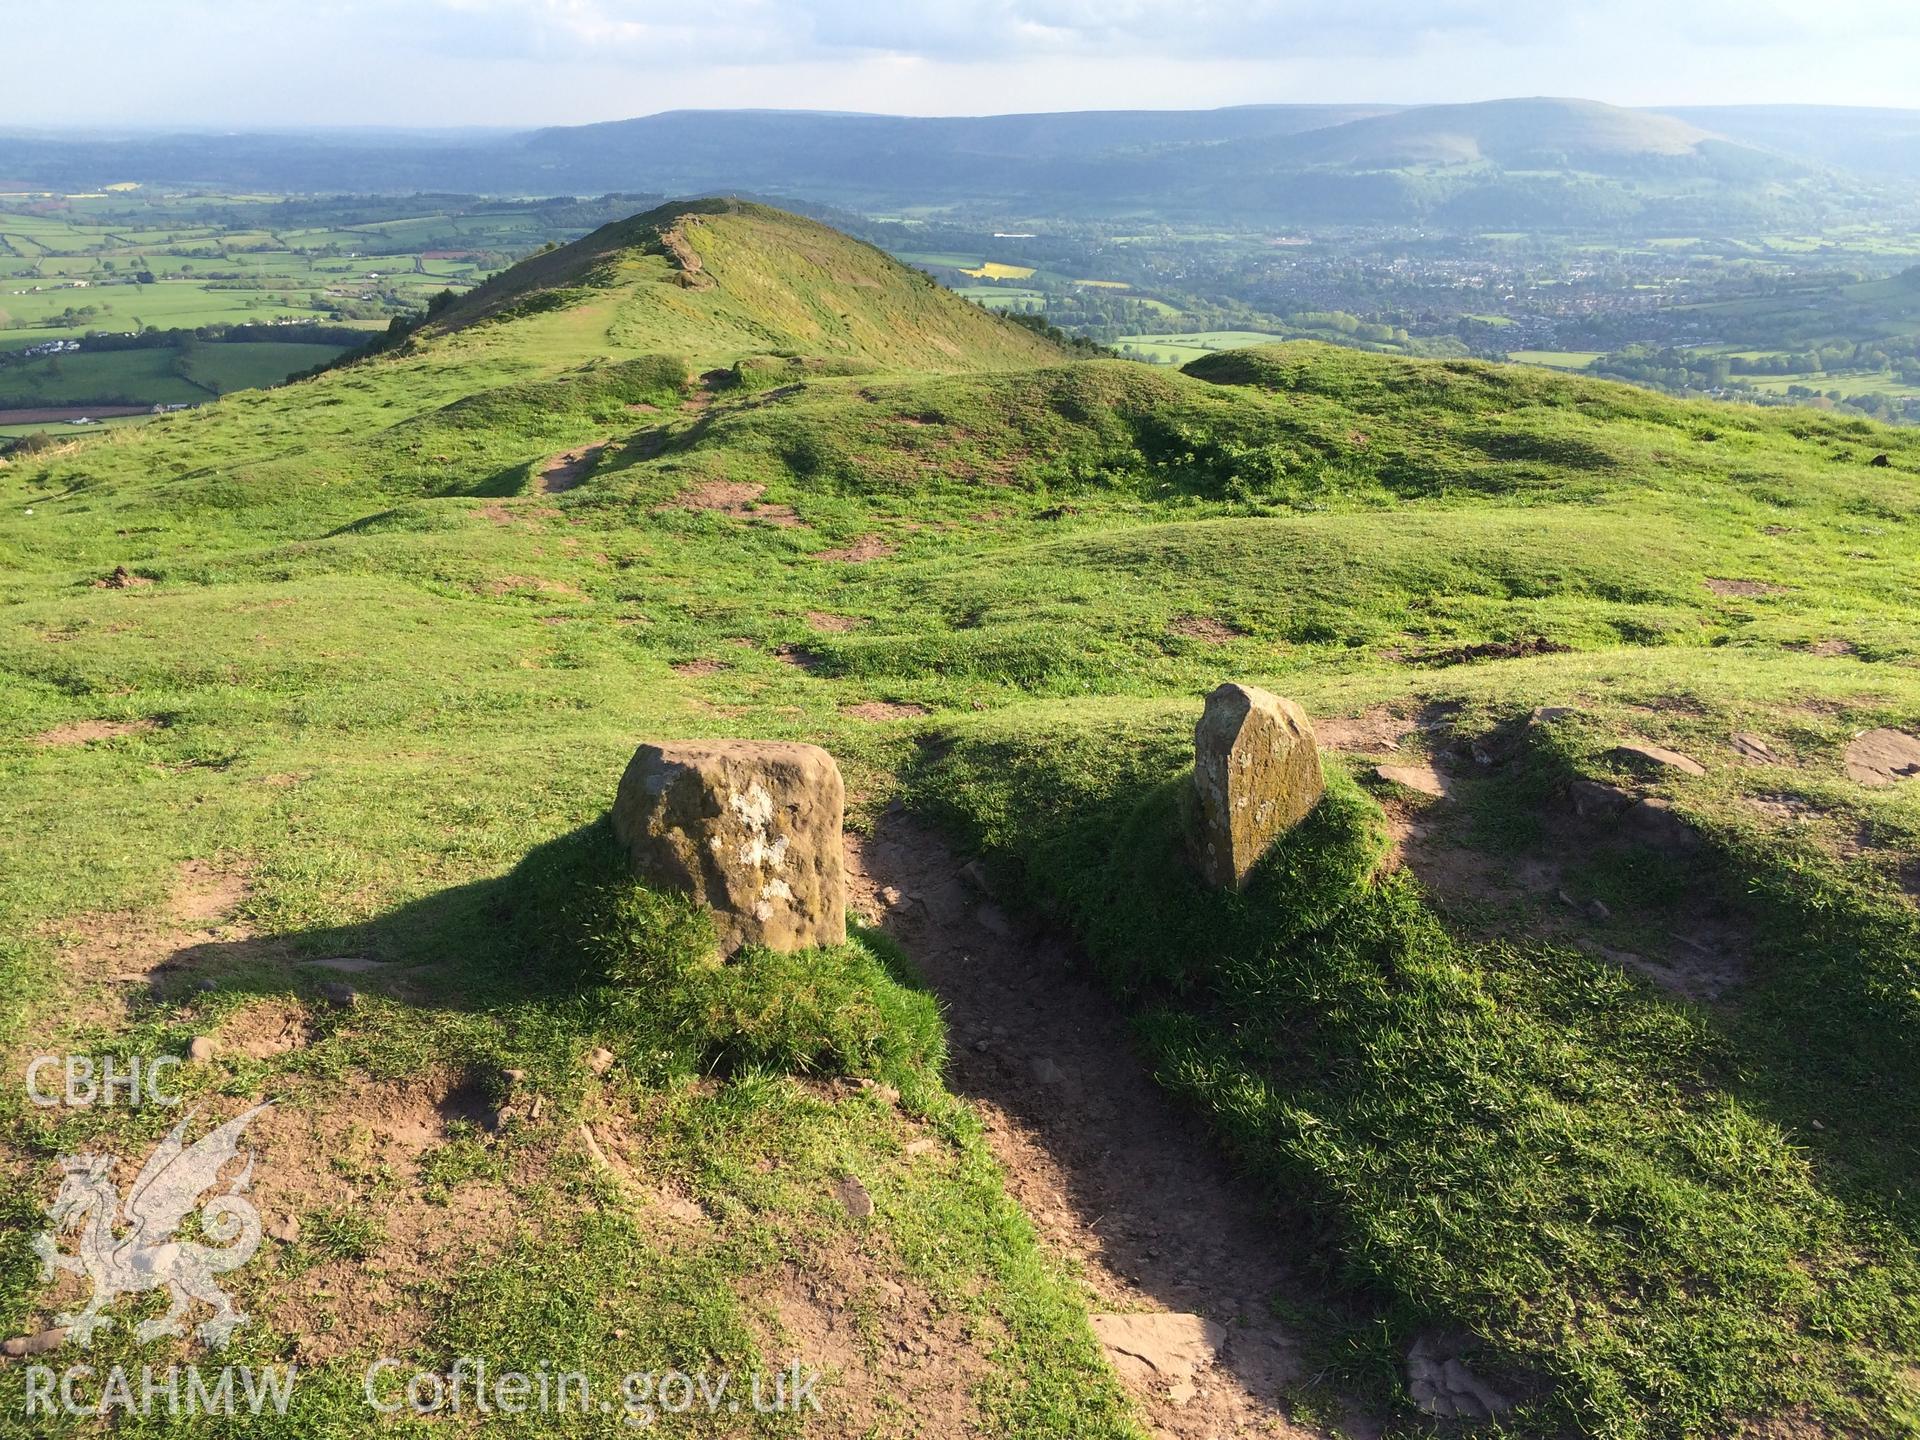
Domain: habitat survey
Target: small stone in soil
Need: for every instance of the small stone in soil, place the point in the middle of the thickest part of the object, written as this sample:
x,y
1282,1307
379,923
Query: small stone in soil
x,y
854,1197
37,1344
200,1049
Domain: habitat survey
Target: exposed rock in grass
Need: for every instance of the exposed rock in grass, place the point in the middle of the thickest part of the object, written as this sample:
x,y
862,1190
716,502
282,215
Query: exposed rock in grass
x,y
1443,1386
1256,774
1645,755
1783,807
1882,757
1654,822
1648,819
1752,747
1423,778
853,1197
750,829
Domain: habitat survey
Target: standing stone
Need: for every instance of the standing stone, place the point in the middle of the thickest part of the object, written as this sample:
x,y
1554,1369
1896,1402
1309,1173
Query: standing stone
x,y
1256,774
752,829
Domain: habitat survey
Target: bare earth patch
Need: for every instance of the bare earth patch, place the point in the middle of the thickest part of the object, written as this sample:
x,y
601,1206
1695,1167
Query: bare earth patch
x,y
919,1364
884,710
203,894
304,1159
867,547
121,579
800,658
1372,732
1117,1182
1832,648
1204,627
1744,588
508,584
1529,897
112,959
738,498
694,669
567,469
833,624
86,732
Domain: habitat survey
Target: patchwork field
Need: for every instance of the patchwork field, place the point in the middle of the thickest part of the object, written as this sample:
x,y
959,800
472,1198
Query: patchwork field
x,y
74,267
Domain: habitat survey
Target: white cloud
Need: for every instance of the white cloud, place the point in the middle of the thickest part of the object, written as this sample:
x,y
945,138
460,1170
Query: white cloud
x,y
449,62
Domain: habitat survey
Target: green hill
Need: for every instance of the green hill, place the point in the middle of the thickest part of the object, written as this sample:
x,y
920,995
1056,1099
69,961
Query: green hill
x,y
346,672
1518,134
716,280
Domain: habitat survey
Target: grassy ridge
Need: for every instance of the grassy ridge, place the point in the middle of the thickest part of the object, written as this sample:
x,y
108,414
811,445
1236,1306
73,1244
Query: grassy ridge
x,y
356,590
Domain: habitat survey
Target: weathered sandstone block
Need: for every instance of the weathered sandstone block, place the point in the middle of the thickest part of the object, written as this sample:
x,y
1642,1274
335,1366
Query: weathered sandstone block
x,y
1256,773
750,828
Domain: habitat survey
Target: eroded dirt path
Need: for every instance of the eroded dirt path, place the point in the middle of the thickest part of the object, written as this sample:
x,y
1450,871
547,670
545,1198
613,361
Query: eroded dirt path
x,y
1113,1176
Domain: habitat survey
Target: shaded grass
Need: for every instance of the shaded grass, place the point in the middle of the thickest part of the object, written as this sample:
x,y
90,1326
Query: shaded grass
x,y
1515,1137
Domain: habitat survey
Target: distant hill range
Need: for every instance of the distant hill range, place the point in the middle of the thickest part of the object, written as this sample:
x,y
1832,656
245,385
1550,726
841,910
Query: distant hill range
x,y
1531,162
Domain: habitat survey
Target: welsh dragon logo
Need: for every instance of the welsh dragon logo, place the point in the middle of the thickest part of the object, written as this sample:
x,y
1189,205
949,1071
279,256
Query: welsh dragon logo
x,y
128,1247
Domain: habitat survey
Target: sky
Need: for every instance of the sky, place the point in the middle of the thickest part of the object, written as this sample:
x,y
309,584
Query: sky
x,y
449,63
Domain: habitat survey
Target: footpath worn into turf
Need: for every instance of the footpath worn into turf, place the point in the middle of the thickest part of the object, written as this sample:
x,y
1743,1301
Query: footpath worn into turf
x,y
346,672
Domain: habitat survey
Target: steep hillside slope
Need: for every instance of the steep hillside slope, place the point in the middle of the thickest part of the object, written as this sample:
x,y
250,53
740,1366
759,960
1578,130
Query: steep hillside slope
x,y
330,687
717,279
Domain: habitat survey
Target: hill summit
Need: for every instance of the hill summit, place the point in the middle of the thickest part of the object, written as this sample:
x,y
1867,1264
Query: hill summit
x,y
717,279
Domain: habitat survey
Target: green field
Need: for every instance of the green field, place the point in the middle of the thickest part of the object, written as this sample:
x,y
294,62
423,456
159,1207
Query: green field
x,y
998,296
1556,359
1179,349
72,266
154,377
1615,1105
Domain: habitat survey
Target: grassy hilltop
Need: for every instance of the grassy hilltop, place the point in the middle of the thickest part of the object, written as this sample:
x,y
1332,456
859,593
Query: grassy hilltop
x,y
350,668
